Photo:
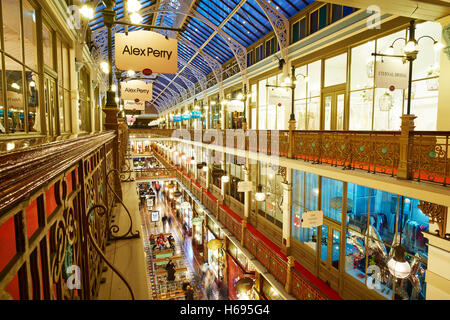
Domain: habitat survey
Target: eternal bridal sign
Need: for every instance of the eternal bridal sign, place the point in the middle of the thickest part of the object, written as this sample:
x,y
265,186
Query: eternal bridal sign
x,y
391,73
136,89
142,49
279,96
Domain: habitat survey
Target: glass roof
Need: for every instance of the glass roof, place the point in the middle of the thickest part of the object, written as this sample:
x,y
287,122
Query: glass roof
x,y
246,26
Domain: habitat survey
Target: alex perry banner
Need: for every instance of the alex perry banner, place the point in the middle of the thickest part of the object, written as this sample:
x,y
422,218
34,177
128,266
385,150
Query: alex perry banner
x,y
143,49
136,89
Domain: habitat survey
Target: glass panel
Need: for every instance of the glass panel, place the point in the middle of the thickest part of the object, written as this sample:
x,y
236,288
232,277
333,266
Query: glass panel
x,y
428,60
404,289
362,66
47,37
11,28
336,70
336,12
324,243
254,93
413,224
253,119
388,109
424,103
300,114
296,31
332,199
310,237
335,249
357,207
67,111
66,70
302,28
314,75
29,35
347,11
361,110
313,114
314,21
384,43
34,112
323,17
327,113
355,262
382,215
59,61
2,105
301,84
377,269
280,112
340,112
61,109
15,95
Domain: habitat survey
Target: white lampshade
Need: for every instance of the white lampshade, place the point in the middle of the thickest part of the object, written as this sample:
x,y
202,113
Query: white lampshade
x,y
398,266
225,179
260,195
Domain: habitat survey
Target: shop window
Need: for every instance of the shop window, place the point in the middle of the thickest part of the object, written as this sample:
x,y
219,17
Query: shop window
x,y
361,110
47,38
388,108
250,58
271,208
338,12
84,113
29,35
15,96
11,28
34,114
336,70
314,22
362,66
259,53
332,199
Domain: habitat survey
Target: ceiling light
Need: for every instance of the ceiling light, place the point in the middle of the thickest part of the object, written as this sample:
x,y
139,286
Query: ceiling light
x,y
135,18
15,86
225,179
32,84
133,5
260,195
438,46
87,12
104,66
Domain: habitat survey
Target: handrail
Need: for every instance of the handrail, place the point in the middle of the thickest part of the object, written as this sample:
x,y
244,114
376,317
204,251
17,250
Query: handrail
x,y
24,171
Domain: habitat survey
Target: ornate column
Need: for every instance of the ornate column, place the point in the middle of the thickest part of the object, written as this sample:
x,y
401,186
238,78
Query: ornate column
x,y
243,227
407,127
110,109
290,266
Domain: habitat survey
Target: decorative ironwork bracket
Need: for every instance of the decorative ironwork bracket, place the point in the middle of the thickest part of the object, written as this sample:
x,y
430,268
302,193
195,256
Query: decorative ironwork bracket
x,y
438,215
114,229
103,211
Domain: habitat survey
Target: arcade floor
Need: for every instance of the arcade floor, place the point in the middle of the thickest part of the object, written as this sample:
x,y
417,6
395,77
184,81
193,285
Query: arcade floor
x,y
187,262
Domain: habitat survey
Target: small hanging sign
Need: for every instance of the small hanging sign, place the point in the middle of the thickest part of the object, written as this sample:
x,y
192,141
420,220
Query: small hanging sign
x,y
391,73
312,219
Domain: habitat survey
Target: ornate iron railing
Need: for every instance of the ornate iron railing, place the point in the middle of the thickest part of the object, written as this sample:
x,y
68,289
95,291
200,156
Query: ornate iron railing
x,y
156,173
428,158
55,219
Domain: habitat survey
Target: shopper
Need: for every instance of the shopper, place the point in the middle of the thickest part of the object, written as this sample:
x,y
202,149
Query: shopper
x,y
189,295
170,267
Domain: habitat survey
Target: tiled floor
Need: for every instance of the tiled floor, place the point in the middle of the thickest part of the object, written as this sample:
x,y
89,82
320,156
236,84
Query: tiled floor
x,y
184,258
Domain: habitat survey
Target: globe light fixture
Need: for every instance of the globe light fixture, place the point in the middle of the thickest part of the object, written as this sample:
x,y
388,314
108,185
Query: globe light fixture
x,y
398,266
411,47
114,88
135,18
131,73
438,46
225,179
260,195
87,12
104,66
133,5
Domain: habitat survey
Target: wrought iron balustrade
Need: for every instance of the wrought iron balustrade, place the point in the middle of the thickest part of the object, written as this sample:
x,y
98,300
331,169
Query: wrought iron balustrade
x,y
55,218
376,152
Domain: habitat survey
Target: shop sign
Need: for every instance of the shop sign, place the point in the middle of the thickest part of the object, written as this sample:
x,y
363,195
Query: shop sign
x,y
136,89
197,221
185,205
391,73
244,186
312,219
235,106
196,114
140,50
186,116
155,216
133,105
279,96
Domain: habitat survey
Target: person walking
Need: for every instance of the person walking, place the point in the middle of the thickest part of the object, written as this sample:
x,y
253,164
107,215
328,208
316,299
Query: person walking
x,y
170,267
189,295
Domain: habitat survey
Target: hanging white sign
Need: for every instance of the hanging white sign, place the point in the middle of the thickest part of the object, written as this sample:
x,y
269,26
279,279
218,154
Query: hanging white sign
x,y
235,106
136,89
155,216
312,219
133,105
140,50
279,96
244,186
391,73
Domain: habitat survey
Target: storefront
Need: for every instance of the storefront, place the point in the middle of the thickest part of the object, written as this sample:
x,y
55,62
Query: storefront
x,y
216,253
375,221
241,275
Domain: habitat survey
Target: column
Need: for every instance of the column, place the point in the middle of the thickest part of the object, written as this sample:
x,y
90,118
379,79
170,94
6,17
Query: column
x,y
407,127
290,266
